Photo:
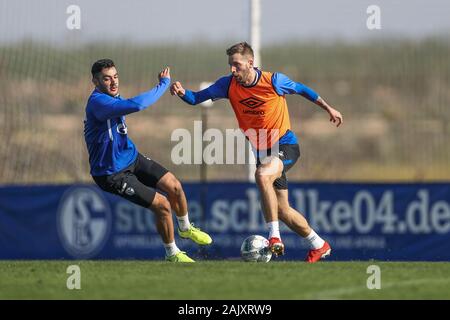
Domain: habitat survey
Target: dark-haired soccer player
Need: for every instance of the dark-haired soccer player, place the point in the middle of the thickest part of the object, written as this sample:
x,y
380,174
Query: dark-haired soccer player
x,y
258,100
117,166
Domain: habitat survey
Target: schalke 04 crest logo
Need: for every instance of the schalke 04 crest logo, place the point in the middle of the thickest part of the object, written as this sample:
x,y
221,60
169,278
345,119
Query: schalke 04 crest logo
x,y
83,222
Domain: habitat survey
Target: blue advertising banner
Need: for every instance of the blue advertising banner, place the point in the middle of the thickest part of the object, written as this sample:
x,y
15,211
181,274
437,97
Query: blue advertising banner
x,y
361,221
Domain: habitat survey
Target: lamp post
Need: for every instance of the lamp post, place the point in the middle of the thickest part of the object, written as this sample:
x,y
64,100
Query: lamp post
x,y
255,42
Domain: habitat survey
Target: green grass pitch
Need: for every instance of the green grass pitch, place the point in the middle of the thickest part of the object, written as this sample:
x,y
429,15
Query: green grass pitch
x,y
225,280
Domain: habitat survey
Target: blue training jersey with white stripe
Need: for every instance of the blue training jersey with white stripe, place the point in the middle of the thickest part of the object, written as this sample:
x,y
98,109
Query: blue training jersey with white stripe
x,y
106,133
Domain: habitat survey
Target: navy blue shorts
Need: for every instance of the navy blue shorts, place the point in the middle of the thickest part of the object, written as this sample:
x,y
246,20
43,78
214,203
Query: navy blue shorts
x,y
136,183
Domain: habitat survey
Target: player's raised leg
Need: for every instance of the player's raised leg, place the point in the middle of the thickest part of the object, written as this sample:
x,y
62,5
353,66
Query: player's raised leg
x,y
172,186
297,223
266,173
164,224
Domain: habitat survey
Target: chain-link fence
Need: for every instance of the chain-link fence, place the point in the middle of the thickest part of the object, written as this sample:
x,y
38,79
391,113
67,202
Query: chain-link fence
x,y
394,96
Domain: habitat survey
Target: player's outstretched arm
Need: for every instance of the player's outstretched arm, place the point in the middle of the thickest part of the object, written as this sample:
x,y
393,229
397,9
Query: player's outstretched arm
x,y
150,97
190,97
284,85
107,107
217,90
335,116
187,96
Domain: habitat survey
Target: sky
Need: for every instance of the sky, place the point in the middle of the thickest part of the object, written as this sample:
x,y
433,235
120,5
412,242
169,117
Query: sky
x,y
149,21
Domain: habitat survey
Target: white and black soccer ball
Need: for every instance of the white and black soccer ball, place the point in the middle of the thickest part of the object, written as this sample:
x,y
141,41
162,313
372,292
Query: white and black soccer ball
x,y
255,248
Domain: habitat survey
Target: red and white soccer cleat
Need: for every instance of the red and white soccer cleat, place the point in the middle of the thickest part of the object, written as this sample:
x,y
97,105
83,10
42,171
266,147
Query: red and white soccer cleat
x,y
317,254
276,246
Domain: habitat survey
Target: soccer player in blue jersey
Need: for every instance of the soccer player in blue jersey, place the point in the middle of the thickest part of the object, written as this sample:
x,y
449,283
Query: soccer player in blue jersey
x,y
258,101
117,166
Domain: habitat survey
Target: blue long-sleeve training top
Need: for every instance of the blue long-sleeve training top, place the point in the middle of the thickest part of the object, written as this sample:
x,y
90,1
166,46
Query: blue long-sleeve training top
x,y
105,131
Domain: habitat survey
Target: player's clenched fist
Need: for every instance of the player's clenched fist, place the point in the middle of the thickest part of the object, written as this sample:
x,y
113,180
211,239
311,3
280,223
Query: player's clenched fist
x,y
164,74
177,89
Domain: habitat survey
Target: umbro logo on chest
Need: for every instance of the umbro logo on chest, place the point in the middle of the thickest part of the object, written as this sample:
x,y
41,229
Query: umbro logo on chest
x,y
252,102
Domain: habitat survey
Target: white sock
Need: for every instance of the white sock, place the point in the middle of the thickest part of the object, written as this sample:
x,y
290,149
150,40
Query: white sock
x,y
171,248
274,229
314,240
183,222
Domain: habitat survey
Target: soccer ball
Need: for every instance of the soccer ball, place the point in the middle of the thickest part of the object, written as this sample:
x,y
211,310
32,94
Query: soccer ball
x,y
256,249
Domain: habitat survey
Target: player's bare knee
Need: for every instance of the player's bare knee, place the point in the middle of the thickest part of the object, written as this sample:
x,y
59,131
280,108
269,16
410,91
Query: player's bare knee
x,y
175,187
278,163
269,171
263,179
171,185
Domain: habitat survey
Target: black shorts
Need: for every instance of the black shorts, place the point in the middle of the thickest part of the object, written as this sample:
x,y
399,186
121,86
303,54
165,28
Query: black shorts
x,y
289,154
135,183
